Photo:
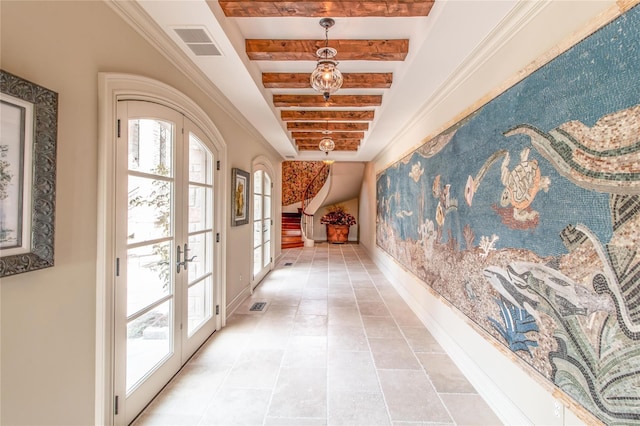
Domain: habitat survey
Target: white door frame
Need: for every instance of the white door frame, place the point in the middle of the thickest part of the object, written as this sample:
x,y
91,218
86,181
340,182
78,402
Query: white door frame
x,y
111,88
262,163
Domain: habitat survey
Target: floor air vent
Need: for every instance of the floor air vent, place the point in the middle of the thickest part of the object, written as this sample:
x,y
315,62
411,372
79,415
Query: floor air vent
x,y
258,306
288,264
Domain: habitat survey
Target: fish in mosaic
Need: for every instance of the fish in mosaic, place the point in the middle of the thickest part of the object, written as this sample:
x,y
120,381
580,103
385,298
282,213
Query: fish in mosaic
x,y
563,294
446,204
474,183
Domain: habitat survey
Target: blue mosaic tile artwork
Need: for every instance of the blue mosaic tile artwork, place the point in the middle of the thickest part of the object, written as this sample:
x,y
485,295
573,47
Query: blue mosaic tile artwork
x,y
526,217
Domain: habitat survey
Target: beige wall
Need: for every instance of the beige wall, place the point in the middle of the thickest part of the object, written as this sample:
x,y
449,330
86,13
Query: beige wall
x,y
507,385
48,316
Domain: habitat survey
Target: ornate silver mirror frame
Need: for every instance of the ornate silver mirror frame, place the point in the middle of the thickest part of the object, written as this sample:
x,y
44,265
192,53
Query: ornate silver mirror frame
x,y
28,136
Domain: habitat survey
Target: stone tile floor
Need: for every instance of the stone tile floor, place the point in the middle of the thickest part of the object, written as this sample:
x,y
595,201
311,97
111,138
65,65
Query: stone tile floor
x,y
334,345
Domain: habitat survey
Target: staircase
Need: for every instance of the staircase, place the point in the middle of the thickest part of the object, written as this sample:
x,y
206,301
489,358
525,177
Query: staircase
x,y
291,232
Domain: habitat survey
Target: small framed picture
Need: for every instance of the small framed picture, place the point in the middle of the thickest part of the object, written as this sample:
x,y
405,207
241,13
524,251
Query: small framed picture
x,y
239,197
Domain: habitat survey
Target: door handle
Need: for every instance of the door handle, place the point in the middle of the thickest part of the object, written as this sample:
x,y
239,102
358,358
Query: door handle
x,y
183,252
178,263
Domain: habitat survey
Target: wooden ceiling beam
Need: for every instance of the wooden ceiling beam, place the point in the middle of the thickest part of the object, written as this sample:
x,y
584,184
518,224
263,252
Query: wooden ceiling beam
x,y
333,135
324,8
348,50
314,147
324,115
334,101
320,126
350,80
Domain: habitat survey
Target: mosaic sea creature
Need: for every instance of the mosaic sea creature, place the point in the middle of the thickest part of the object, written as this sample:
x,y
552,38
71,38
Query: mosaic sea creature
x,y
605,157
565,295
416,171
521,185
446,204
531,285
473,184
605,378
499,280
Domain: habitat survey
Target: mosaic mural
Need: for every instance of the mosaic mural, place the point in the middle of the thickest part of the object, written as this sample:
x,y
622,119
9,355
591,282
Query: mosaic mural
x,y
297,175
526,217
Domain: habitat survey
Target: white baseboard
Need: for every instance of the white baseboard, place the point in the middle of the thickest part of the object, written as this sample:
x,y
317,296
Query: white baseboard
x,y
237,301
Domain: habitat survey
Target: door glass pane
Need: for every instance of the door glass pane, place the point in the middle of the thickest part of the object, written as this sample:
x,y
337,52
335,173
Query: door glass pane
x,y
267,208
257,233
199,250
199,304
267,184
257,260
149,209
200,244
148,343
257,207
257,182
151,146
266,231
199,208
200,160
267,254
148,275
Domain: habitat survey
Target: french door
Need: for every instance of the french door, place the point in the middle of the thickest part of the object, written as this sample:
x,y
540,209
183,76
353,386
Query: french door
x,y
262,224
164,289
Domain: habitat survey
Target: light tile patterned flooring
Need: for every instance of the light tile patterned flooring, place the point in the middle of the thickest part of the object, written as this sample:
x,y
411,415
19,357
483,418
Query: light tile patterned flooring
x,y
335,345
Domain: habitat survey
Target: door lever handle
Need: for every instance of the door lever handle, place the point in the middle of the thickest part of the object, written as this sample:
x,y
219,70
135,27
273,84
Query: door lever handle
x,y
178,263
183,252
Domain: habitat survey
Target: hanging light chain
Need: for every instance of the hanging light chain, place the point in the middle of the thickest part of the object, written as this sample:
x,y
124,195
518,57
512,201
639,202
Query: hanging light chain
x,y
326,78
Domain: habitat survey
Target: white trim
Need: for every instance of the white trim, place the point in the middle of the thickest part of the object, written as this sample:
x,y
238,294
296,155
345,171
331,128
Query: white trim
x,y
262,163
237,301
520,15
138,19
111,88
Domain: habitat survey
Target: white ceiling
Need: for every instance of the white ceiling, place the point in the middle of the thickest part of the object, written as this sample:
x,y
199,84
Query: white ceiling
x,y
440,46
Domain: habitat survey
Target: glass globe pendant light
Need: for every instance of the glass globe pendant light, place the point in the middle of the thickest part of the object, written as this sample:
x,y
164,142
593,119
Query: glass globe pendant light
x,y
326,78
326,143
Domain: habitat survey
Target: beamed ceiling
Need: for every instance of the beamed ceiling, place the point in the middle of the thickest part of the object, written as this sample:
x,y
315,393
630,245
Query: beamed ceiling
x,y
306,131
395,56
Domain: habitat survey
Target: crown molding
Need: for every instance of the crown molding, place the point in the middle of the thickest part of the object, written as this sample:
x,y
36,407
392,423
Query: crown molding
x,y
138,19
517,18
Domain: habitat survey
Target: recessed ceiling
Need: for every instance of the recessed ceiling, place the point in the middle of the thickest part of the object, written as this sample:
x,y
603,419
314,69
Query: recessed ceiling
x,y
394,56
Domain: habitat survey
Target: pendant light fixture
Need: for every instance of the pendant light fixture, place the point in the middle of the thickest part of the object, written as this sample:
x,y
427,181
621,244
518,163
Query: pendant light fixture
x,y
326,78
326,143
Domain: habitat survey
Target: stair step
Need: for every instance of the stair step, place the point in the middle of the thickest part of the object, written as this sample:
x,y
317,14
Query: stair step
x,y
291,232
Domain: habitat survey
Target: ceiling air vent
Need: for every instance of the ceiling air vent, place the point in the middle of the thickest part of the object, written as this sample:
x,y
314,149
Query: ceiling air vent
x,y
198,40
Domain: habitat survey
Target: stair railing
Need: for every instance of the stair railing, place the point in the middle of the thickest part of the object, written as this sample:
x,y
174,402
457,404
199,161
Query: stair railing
x,y
306,219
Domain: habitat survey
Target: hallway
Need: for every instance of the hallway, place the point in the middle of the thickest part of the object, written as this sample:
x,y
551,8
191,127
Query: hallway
x,y
334,345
